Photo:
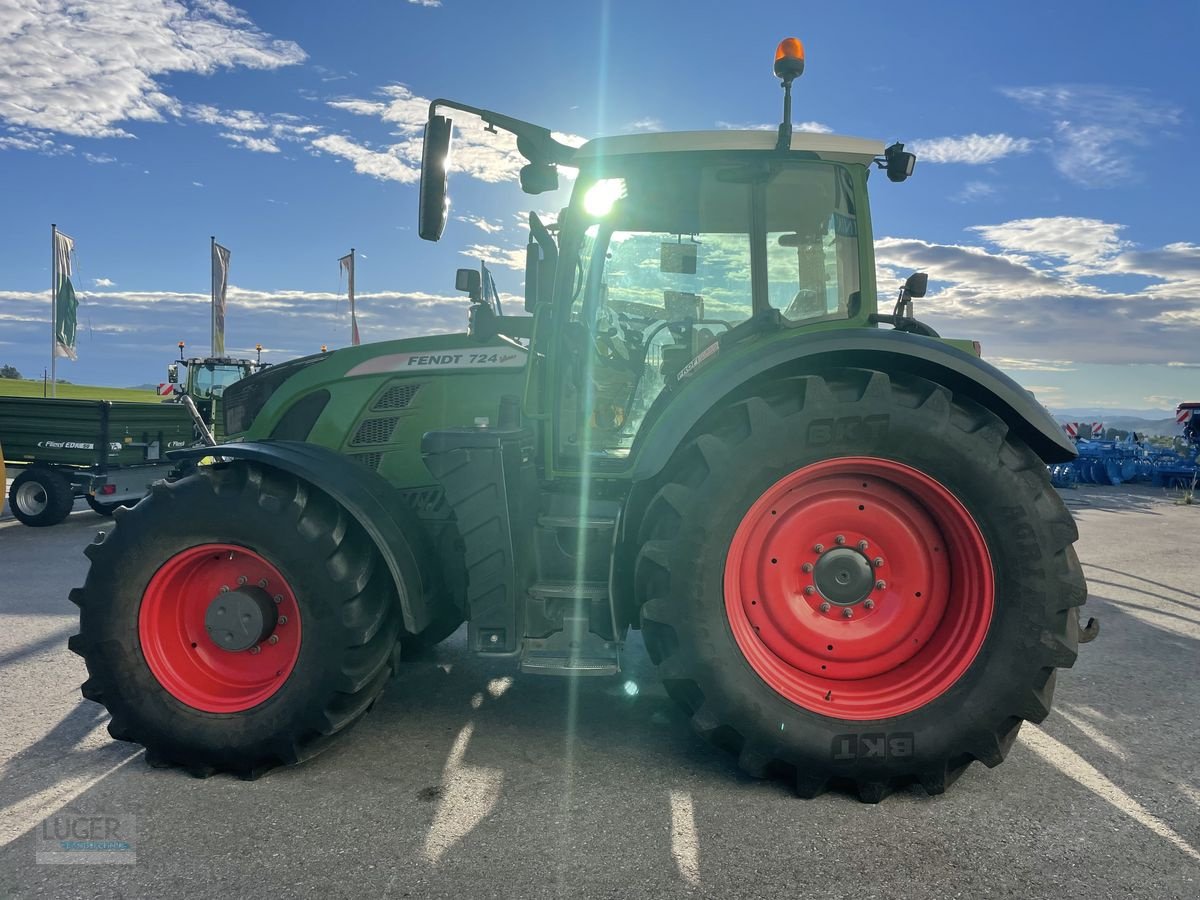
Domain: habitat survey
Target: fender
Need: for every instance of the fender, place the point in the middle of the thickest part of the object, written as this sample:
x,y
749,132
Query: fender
x,y
677,411
393,528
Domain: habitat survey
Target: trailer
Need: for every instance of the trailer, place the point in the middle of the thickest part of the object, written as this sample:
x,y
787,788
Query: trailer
x,y
107,451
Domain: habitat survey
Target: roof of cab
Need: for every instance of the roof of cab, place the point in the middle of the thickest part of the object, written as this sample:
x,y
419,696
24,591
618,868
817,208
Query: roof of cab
x,y
827,146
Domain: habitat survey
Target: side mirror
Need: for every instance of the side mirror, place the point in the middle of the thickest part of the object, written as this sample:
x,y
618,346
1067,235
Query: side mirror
x,y
900,164
435,157
469,282
538,179
172,374
916,284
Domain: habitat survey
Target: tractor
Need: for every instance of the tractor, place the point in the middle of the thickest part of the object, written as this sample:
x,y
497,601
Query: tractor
x,y
833,528
205,383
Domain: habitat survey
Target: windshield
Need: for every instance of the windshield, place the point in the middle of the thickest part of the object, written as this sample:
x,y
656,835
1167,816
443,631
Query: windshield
x,y
668,261
211,380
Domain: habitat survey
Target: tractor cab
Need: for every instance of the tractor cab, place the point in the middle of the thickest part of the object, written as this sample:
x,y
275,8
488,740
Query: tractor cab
x,y
206,378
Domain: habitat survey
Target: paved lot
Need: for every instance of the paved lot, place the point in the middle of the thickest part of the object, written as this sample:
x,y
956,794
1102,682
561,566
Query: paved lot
x,y
463,783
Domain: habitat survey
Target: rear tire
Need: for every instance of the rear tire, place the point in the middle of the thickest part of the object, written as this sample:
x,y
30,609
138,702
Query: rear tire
x,y
40,497
951,505
206,707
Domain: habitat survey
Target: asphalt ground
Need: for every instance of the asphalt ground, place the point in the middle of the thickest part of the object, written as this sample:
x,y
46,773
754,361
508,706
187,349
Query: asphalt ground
x,y
470,781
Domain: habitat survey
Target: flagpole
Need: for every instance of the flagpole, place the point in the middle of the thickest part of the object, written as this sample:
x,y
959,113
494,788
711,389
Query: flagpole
x,y
350,289
212,312
53,308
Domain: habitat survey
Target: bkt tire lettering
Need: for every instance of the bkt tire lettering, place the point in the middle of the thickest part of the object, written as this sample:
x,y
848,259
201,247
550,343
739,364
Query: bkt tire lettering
x,y
854,428
876,745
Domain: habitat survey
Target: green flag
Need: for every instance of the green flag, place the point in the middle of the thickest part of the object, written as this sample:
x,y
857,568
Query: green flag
x,y
65,302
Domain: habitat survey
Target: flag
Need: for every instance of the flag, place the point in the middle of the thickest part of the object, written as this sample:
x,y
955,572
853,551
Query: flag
x,y
65,302
347,263
220,281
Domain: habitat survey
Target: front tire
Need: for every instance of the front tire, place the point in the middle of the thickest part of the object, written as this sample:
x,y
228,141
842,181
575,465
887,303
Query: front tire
x,y
40,497
310,647
859,580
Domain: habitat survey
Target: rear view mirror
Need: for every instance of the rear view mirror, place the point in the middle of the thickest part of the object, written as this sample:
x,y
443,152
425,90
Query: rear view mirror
x,y
900,163
916,284
173,374
435,158
469,282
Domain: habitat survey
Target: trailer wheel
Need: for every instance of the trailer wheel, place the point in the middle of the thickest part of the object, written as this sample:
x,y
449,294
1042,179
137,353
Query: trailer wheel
x,y
41,496
235,620
861,581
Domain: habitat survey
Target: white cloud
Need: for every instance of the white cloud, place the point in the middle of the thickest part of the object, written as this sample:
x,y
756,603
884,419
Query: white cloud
x,y
103,282
42,142
427,3
971,149
99,159
1085,244
1025,294
508,257
259,145
385,165
1095,127
974,190
83,69
649,123
481,223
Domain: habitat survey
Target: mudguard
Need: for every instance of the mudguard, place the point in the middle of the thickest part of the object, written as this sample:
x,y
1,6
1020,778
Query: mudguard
x,y
364,494
702,387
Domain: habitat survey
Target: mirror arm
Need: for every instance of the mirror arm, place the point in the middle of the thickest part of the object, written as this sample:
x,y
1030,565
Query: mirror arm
x,y
536,143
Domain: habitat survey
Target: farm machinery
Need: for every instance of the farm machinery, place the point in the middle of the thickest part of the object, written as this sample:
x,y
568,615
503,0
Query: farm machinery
x,y
1131,459
833,528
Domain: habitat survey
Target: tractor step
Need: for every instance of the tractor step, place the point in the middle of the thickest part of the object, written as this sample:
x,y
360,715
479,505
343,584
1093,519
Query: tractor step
x,y
572,651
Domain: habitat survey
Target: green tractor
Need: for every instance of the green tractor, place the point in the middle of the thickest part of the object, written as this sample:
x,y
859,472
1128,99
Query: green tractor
x,y
838,540
205,382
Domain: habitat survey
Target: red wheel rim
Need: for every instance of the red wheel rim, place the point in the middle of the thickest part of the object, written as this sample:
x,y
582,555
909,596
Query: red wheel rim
x,y
915,622
177,646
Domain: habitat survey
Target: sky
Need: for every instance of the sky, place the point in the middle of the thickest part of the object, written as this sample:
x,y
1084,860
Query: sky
x,y
1053,203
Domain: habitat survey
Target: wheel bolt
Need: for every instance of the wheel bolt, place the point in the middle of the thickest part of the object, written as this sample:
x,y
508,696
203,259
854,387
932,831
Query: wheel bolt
x,y
818,548
273,639
824,607
283,620
862,545
847,613
224,589
255,650
880,585
810,590
877,561
869,604
840,539
262,582
242,579
278,598
807,567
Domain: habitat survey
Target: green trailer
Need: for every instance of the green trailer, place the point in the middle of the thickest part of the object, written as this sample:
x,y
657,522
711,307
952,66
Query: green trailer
x,y
107,451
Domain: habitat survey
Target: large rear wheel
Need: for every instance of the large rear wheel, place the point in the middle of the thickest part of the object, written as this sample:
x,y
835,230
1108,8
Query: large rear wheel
x,y
235,620
859,579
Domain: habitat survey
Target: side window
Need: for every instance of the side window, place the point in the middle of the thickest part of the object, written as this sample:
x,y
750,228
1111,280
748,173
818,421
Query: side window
x,y
812,243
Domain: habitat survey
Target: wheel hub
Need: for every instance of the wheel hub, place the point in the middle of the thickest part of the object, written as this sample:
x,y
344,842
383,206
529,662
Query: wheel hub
x,y
844,576
241,619
31,498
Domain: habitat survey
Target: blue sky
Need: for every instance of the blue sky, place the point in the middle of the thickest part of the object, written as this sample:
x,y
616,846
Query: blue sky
x,y
1052,204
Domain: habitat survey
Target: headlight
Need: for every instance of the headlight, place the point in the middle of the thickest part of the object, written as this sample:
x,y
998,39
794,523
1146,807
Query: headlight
x,y
243,400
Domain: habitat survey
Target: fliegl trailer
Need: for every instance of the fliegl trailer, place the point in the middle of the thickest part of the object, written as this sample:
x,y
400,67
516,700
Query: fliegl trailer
x,y
107,451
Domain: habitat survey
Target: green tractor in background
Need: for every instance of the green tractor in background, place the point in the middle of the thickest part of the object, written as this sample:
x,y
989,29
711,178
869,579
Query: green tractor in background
x,y
206,380
838,540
